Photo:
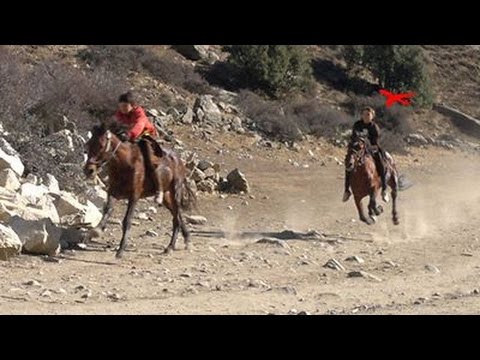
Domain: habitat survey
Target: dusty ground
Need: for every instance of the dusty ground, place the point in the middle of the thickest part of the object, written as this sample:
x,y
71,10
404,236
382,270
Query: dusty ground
x,y
234,275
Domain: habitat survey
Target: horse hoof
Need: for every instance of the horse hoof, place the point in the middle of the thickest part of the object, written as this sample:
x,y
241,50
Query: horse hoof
x,y
119,255
396,222
379,210
168,250
187,246
373,219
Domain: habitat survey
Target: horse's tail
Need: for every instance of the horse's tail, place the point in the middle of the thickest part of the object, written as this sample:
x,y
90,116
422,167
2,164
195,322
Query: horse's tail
x,y
404,183
184,195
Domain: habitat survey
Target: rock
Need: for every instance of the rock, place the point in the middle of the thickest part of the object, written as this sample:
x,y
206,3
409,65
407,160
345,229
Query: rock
x,y
72,237
38,236
142,216
34,283
334,265
10,244
197,175
52,184
355,258
416,139
67,204
204,165
33,192
206,110
151,233
211,174
363,274
44,208
187,117
195,219
9,180
207,185
32,179
9,158
97,196
90,214
46,293
303,313
273,241
237,182
432,268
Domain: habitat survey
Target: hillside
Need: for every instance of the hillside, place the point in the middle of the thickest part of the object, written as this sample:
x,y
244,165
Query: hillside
x,y
47,89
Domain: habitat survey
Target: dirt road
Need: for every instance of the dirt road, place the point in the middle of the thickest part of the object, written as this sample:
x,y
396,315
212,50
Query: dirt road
x,y
430,263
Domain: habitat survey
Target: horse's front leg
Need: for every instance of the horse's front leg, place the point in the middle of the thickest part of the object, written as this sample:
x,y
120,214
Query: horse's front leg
x,y
361,213
127,223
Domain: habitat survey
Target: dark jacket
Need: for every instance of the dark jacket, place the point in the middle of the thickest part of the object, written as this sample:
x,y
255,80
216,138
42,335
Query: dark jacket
x,y
371,131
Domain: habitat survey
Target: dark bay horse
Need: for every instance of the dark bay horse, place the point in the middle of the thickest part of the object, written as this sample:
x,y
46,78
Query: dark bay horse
x,y
365,181
129,179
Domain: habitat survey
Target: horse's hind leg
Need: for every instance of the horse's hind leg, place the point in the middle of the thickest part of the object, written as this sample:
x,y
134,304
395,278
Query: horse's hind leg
x,y
185,232
127,223
361,213
175,231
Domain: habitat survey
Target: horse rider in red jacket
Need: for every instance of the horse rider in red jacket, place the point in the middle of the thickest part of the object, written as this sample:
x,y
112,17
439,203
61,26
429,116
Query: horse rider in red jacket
x,y
134,119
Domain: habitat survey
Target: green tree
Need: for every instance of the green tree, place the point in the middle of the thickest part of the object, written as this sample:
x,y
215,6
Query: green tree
x,y
396,67
276,69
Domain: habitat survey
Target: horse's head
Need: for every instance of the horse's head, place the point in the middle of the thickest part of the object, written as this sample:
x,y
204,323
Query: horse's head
x,y
97,149
359,148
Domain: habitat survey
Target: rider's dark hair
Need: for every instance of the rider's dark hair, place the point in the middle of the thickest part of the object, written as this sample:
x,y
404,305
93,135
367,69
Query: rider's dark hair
x,y
127,98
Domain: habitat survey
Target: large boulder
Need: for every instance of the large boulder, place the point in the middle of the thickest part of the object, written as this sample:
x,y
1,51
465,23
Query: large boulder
x,y
9,158
9,180
32,208
67,204
32,192
38,236
206,110
237,182
91,214
97,196
10,244
71,210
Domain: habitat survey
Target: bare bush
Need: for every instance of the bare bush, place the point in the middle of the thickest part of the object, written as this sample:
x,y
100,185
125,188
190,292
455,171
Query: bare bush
x,y
124,59
289,120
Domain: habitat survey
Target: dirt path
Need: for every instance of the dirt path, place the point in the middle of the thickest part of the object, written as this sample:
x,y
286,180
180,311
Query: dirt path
x,y
438,231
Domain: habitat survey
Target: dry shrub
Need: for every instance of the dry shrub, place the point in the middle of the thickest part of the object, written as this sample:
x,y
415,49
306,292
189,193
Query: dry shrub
x,y
125,59
289,120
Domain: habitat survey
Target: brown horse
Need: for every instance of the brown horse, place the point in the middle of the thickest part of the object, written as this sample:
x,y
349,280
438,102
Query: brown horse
x,y
129,178
365,181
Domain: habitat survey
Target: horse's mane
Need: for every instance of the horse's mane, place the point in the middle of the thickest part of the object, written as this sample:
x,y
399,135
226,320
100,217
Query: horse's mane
x,y
114,127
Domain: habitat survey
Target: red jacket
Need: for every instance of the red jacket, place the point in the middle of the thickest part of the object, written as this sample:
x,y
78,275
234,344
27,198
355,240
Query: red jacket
x,y
137,122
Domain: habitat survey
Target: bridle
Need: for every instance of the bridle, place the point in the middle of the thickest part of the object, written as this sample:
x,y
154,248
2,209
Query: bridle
x,y
359,154
108,147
